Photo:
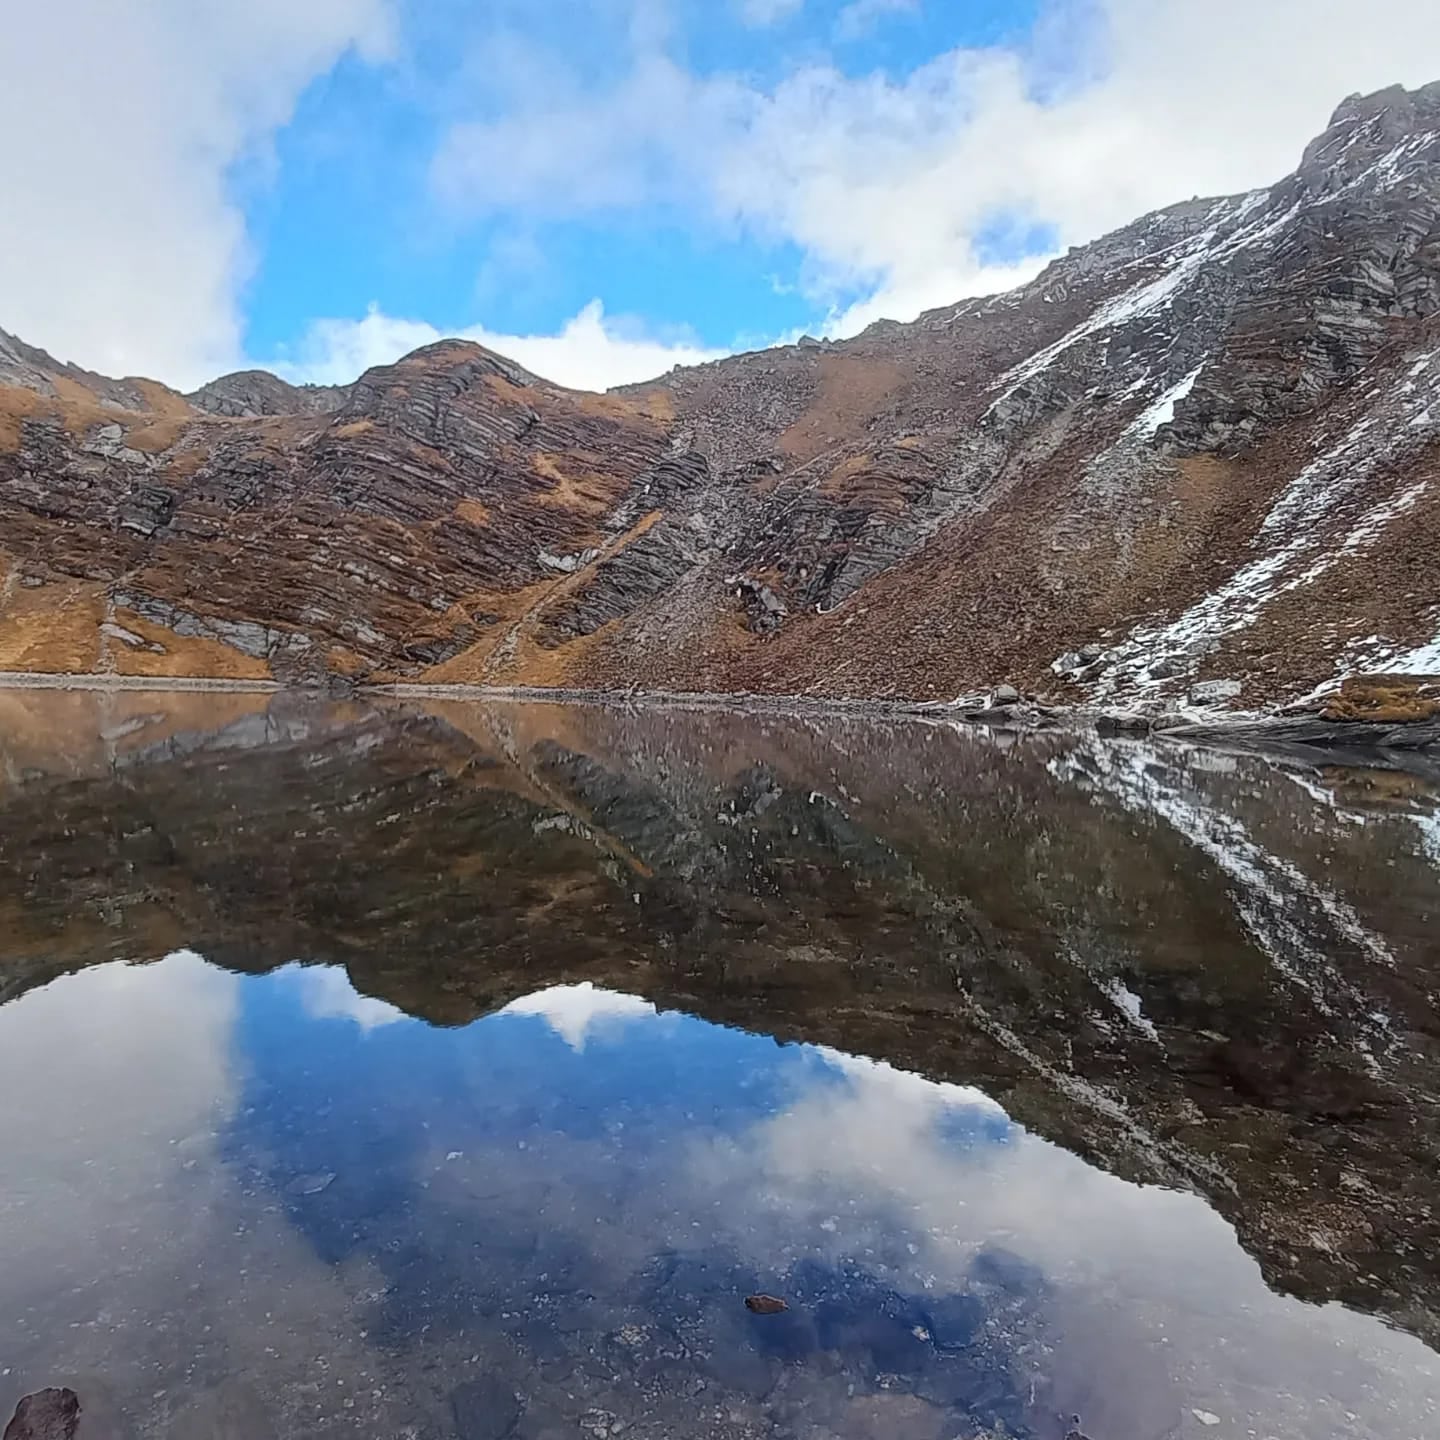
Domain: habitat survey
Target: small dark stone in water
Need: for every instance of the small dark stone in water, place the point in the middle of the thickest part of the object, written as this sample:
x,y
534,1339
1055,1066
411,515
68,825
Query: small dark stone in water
x,y
484,1409
765,1304
46,1415
1075,1432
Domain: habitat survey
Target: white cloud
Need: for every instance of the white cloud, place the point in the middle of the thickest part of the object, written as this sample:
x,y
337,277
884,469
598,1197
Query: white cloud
x,y
761,13
327,994
575,1012
123,249
588,352
890,185
860,17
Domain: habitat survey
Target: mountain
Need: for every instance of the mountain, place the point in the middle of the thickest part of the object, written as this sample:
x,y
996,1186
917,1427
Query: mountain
x,y
1201,449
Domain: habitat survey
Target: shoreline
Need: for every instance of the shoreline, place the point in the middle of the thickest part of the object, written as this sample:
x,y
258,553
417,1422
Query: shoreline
x,y
36,680
1217,729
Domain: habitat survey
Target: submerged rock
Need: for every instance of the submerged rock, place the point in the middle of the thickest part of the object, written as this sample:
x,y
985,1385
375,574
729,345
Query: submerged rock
x,y
485,1409
51,1414
312,1184
765,1304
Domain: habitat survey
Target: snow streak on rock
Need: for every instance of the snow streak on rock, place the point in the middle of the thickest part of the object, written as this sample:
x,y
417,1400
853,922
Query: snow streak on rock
x,y
1128,1003
1137,301
1162,410
1297,541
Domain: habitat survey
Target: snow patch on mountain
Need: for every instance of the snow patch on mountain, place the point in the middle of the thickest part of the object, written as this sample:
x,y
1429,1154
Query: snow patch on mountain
x,y
1296,530
1128,1003
1161,411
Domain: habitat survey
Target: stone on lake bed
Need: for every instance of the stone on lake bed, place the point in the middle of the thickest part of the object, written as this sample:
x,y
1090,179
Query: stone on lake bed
x,y
311,1184
51,1414
484,1409
765,1304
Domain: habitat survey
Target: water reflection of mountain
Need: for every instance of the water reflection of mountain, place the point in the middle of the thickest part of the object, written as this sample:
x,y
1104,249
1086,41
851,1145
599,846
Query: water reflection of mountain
x,y
1210,972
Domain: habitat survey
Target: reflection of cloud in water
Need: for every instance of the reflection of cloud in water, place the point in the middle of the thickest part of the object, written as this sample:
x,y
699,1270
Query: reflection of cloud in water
x,y
511,1191
878,1079
136,1262
575,1012
327,994
1145,1286
123,1070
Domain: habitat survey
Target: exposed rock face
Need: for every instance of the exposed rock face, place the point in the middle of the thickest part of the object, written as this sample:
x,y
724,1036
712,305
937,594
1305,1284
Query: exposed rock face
x,y
250,393
1154,467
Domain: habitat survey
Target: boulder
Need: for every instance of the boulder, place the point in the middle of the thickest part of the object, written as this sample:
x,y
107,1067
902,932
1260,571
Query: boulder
x,y
1215,692
1123,722
485,1409
51,1414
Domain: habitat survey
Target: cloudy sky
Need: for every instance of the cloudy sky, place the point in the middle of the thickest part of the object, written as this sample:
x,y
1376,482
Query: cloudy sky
x,y
602,188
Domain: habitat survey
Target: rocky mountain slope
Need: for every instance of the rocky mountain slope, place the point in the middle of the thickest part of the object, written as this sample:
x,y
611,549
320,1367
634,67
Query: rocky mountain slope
x,y
1203,448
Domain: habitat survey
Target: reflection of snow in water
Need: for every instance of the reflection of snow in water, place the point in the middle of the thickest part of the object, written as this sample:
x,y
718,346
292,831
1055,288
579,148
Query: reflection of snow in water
x,y
1277,902
1429,835
576,1012
1128,1003
1426,822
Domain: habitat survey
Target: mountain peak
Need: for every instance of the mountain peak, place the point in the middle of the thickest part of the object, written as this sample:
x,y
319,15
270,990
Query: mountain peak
x,y
248,394
1423,103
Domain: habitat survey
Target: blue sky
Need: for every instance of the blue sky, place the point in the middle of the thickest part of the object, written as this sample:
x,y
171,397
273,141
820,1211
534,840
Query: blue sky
x,y
346,221
602,188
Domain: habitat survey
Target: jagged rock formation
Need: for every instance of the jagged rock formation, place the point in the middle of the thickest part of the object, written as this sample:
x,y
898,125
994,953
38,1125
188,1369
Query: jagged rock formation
x,y
1202,448
248,394
1208,973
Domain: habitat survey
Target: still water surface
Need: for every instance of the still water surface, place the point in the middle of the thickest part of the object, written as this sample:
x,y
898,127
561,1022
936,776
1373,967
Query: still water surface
x,y
386,1073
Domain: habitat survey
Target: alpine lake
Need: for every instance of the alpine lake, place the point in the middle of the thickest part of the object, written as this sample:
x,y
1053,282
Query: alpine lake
x,y
446,1069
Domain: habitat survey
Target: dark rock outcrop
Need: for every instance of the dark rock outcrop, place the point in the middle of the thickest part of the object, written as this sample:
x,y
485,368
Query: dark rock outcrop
x,y
248,394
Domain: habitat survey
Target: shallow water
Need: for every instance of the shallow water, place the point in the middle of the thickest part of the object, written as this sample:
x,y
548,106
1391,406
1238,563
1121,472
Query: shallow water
x,y
461,1072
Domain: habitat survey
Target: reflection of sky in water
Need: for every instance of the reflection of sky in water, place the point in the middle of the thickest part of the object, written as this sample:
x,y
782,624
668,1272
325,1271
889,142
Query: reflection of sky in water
x,y
279,1179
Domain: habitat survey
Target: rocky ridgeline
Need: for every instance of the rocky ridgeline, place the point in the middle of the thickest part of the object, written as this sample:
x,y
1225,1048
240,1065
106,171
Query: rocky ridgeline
x,y
1199,452
248,394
